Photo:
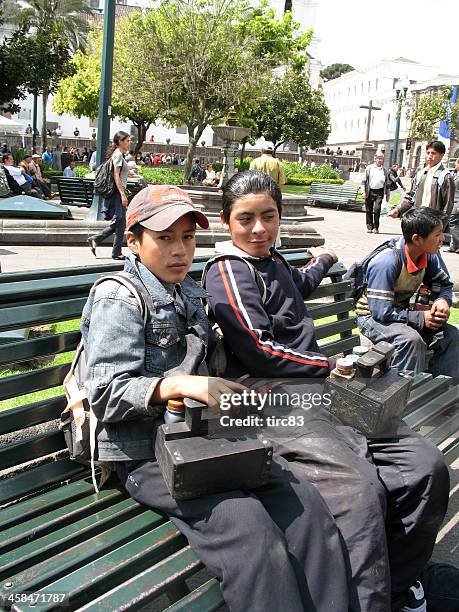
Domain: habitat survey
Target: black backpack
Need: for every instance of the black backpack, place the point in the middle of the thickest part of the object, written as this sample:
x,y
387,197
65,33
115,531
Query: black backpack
x,y
104,182
357,273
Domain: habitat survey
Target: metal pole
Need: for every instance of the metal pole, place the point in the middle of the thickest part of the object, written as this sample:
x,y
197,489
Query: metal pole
x,y
34,123
397,129
105,97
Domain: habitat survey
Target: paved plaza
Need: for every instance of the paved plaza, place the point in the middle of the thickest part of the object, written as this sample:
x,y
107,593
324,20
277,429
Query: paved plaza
x,y
343,230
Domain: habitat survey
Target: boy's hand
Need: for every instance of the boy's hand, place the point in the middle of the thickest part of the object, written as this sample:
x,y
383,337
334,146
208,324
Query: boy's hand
x,y
205,389
316,251
441,307
394,214
434,320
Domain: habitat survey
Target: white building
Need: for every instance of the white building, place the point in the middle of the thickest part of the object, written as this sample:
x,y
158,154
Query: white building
x,y
376,83
304,12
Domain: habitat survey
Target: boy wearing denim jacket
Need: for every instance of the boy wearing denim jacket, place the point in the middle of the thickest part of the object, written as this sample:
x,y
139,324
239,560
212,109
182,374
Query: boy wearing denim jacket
x,y
274,548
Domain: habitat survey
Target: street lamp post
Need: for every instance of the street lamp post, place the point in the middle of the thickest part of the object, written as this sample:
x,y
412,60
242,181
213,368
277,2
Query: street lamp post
x,y
105,97
401,88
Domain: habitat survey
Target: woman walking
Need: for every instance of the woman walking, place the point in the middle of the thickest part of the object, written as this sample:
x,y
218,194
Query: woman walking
x,y
114,208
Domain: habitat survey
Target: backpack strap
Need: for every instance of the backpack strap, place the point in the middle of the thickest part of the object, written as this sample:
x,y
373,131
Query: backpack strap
x,y
124,279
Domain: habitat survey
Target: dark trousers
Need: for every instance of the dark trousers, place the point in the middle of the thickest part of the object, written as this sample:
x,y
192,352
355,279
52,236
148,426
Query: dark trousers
x,y
388,498
373,208
454,229
274,548
117,227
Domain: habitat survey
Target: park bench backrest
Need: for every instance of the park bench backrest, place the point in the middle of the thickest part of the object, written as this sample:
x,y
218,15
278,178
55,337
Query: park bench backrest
x,y
75,190
29,436
350,191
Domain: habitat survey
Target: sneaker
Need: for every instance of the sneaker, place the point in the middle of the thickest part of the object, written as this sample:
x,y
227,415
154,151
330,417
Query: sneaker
x,y
376,231
369,231
416,602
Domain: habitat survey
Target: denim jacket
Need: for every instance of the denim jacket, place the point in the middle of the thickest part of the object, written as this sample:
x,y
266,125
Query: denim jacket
x,y
125,360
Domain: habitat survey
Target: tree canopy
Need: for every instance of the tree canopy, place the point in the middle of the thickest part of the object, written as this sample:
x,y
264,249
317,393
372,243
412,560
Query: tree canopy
x,y
428,110
49,31
187,62
293,110
78,94
334,71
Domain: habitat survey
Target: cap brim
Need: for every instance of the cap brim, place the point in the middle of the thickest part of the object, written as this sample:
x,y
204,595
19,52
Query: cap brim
x,y
165,218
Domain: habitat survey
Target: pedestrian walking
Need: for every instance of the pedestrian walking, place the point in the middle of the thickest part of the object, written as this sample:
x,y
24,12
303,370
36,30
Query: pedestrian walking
x,y
114,207
375,188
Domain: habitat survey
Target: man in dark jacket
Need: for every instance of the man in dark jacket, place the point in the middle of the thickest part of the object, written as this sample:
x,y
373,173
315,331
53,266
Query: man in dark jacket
x,y
433,185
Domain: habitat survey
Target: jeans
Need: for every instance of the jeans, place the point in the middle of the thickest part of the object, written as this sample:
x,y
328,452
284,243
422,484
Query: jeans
x,y
373,208
117,227
411,346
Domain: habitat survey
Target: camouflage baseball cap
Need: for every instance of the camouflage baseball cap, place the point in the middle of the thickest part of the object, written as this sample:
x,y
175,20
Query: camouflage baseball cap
x,y
157,207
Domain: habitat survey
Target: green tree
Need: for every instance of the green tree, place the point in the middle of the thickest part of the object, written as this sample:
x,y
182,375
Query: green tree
x,y
428,110
278,41
293,110
56,28
334,71
201,62
78,94
13,73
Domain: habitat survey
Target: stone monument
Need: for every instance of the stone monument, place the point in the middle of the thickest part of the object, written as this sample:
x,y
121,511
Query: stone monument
x,y
232,135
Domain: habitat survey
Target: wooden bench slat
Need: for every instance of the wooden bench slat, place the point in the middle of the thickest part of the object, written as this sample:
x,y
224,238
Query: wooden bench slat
x,y
34,506
15,419
451,452
105,572
39,347
433,408
420,379
31,448
427,391
39,477
320,311
335,327
64,537
206,598
445,430
30,382
48,522
39,314
148,584
330,289
339,346
59,566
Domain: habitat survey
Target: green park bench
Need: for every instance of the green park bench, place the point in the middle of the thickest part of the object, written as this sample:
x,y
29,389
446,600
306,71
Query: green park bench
x,y
105,551
75,191
341,196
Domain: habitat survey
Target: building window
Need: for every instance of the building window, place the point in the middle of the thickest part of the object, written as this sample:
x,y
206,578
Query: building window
x,y
369,85
388,120
358,123
181,129
376,85
355,90
352,125
361,89
345,126
348,91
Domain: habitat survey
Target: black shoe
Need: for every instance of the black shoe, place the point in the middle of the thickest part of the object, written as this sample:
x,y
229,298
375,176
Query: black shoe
x,y
376,231
119,257
92,246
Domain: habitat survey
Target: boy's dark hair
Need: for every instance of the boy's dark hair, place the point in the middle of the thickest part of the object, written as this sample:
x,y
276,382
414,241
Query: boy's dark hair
x,y
137,230
437,146
250,181
5,156
422,221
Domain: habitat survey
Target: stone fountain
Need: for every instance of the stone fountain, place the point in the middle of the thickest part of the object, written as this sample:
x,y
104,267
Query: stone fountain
x,y
232,135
